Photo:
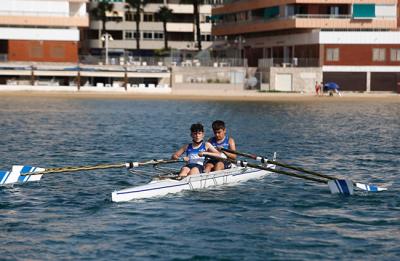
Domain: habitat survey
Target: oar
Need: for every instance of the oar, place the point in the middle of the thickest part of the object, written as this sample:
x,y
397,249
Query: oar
x,y
265,160
22,174
336,186
335,181
244,163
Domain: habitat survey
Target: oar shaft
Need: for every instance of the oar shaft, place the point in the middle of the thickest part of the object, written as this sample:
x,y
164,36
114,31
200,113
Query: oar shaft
x,y
246,164
243,163
100,166
79,168
247,155
300,169
264,160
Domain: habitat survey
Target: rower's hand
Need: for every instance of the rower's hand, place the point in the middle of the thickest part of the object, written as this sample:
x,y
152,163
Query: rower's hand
x,y
223,155
202,153
186,159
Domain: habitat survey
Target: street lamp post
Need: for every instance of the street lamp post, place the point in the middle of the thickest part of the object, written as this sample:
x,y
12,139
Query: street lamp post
x,y
106,37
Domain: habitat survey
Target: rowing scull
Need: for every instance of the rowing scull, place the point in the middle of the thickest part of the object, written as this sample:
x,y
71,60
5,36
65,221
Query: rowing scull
x,y
161,187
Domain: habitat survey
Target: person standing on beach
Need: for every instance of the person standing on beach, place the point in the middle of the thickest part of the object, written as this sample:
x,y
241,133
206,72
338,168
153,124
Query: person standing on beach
x,y
317,88
220,140
195,152
321,89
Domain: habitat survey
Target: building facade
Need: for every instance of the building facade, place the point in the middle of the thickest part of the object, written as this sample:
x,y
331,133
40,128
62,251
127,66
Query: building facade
x,y
41,30
121,26
356,43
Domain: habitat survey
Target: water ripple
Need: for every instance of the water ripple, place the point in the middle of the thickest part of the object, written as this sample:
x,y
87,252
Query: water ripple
x,y
71,216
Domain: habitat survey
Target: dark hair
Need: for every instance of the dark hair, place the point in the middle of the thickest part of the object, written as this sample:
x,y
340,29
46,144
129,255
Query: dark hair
x,y
197,127
217,125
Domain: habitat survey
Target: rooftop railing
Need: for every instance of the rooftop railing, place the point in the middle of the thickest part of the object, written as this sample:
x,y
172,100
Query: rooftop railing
x,y
164,61
131,61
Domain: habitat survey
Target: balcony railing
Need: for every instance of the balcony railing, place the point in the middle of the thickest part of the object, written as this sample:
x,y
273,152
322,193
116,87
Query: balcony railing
x,y
288,62
258,20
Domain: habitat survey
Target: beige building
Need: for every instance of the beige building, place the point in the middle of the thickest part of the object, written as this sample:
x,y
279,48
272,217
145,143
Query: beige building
x,y
122,27
355,43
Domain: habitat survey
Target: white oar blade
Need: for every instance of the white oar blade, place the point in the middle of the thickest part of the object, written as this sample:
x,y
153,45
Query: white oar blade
x,y
14,176
372,188
341,186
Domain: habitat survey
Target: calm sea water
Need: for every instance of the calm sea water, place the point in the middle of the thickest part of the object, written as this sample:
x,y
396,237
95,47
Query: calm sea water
x,y
70,216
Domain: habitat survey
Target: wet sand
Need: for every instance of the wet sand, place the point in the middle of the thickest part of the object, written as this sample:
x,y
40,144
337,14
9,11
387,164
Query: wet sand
x,y
247,95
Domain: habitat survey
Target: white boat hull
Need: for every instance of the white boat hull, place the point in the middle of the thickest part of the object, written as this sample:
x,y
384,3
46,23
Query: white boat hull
x,y
157,188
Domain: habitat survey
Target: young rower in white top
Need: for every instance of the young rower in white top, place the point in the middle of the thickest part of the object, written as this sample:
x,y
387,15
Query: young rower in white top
x,y
195,152
220,140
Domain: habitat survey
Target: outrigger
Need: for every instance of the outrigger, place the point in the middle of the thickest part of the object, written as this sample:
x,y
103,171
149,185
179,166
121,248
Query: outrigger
x,y
164,184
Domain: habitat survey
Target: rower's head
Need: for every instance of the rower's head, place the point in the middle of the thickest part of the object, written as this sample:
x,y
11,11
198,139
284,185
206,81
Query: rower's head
x,y
197,132
219,129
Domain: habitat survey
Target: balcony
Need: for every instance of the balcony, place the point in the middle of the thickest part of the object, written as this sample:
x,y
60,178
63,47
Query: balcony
x,y
48,21
303,21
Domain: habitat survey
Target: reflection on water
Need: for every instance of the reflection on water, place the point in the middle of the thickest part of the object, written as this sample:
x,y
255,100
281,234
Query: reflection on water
x,y
70,215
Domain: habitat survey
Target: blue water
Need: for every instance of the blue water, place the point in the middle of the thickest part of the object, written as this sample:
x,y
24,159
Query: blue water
x,y
70,216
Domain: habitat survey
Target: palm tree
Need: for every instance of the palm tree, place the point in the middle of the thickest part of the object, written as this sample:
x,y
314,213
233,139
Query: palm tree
x,y
196,17
165,14
137,6
100,13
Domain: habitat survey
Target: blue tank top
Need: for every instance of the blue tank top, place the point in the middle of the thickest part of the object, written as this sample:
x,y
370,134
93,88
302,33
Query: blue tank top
x,y
193,154
223,144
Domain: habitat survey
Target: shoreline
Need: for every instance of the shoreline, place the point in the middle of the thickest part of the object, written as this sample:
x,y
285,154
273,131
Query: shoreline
x,y
245,95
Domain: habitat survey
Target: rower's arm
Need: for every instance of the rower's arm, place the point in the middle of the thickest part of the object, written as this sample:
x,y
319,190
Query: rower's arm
x,y
232,146
211,151
179,152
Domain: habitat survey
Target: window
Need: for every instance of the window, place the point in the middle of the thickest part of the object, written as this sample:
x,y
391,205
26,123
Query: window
x,y
36,51
129,34
147,35
57,52
334,10
158,35
148,17
206,37
378,54
395,55
271,12
332,54
129,16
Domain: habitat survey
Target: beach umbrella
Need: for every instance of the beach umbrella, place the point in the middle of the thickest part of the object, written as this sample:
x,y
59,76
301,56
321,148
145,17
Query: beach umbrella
x,y
331,86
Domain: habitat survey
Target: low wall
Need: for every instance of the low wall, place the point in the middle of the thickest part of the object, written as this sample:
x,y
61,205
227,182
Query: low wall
x,y
297,79
206,89
139,90
208,75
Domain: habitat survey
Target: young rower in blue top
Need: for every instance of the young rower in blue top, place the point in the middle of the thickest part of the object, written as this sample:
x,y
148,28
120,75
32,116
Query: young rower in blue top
x,y
195,152
220,140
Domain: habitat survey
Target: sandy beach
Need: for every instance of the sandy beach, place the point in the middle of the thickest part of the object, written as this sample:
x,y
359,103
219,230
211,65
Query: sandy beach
x,y
245,95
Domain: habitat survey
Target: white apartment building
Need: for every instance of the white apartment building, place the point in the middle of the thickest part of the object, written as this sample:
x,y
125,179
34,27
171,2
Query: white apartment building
x,y
41,30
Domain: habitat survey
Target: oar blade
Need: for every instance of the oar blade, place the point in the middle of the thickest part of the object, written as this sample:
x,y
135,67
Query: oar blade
x,y
14,176
369,187
341,186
